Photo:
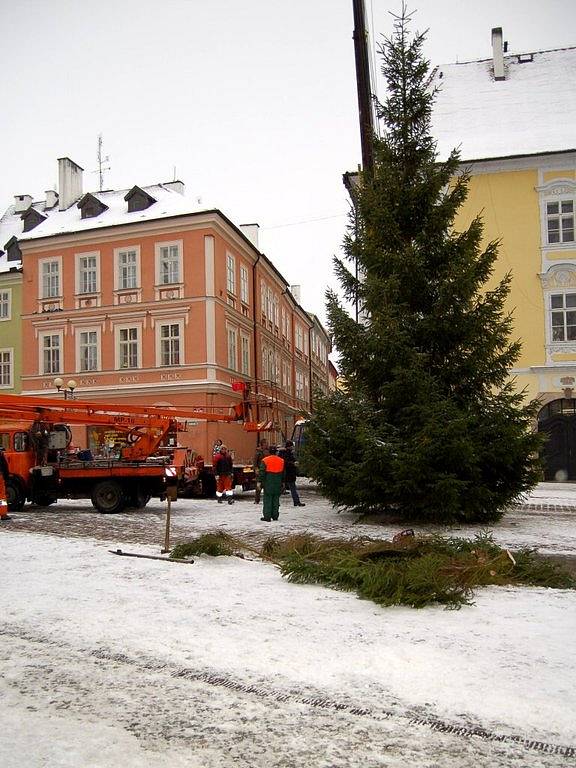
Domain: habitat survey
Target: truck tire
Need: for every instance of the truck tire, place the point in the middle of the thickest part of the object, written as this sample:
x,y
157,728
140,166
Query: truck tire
x,y
138,499
15,495
108,497
208,482
43,500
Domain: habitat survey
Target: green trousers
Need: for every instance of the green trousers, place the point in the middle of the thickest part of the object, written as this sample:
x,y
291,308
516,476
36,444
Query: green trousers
x,y
271,506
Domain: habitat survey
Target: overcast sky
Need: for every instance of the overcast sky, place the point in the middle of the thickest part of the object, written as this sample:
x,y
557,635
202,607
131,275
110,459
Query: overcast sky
x,y
252,103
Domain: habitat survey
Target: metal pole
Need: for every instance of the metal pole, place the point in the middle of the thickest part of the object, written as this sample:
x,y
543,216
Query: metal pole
x,y
167,532
365,108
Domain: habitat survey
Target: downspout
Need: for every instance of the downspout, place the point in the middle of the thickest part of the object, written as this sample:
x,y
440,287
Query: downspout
x,y
255,345
310,367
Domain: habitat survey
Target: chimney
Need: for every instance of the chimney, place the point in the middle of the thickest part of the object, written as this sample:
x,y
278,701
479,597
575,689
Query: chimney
x,y
175,186
22,203
251,232
69,182
295,291
51,198
497,53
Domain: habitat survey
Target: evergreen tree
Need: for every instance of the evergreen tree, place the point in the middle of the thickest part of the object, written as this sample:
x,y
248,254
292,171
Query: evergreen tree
x,y
429,425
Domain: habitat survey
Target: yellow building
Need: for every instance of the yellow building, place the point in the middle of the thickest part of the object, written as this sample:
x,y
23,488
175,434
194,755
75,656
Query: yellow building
x,y
513,116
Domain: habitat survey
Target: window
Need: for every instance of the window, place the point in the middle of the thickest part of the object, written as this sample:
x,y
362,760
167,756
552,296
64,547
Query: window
x,y
563,316
245,354
560,221
169,265
87,274
300,385
276,310
88,351
6,304
299,341
21,442
50,273
232,349
244,290
286,377
127,270
51,352
170,344
6,379
230,273
128,348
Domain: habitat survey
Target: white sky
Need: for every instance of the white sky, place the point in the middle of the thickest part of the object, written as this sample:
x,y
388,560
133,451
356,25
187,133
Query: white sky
x,y
253,102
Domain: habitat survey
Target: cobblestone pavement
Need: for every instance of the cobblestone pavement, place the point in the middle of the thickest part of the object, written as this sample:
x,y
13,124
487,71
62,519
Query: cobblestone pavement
x,y
537,524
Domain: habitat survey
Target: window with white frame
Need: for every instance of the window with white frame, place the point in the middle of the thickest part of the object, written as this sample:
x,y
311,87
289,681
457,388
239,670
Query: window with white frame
x,y
127,266
6,304
232,348
286,377
50,276
266,373
51,353
87,266
170,335
560,221
6,368
88,350
230,273
563,316
244,289
128,347
245,354
169,264
300,385
299,337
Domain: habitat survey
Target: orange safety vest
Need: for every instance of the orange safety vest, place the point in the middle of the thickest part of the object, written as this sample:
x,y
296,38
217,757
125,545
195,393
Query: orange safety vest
x,y
273,464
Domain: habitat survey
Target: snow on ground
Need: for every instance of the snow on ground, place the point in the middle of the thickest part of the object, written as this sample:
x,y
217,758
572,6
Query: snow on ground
x,y
108,660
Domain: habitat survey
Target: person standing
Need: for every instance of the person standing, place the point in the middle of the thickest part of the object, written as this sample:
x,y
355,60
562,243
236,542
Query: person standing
x,y
4,478
261,452
224,471
290,473
271,475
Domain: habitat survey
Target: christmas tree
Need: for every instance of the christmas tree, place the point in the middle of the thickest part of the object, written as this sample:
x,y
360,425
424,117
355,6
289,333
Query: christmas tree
x,y
429,425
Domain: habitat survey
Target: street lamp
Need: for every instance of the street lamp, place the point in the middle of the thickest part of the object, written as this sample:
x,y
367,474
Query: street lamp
x,y
68,390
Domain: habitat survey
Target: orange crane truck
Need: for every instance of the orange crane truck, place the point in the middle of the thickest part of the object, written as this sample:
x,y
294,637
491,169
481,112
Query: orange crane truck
x,y
35,433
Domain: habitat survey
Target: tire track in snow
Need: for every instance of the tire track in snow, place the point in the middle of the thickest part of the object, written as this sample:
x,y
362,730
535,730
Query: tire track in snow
x,y
316,701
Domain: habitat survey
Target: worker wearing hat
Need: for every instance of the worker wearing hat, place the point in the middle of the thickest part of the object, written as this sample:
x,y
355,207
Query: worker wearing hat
x,y
224,470
271,476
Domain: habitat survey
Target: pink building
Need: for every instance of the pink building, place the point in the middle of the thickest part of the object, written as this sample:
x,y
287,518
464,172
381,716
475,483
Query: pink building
x,y
140,296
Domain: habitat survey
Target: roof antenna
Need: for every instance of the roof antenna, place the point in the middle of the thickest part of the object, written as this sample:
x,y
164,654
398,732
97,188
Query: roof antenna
x,y
174,179
101,166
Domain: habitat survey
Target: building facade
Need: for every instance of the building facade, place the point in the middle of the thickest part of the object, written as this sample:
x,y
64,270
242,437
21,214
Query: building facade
x,y
138,296
514,118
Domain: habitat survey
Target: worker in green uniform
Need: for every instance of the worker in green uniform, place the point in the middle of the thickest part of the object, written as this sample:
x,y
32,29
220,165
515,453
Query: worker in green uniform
x,y
271,476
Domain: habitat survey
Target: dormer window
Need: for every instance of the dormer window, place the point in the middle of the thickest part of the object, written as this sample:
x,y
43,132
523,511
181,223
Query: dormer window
x,y
32,218
13,252
138,199
90,206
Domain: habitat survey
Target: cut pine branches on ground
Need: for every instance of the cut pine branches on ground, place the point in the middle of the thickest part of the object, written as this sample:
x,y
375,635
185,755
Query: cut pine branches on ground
x,y
415,571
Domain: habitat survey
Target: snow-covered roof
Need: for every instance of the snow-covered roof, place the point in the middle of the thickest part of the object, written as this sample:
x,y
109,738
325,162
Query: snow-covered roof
x,y
531,111
169,203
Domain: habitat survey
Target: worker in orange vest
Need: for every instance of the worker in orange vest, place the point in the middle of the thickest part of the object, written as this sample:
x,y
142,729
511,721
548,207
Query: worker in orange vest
x,y
271,476
4,477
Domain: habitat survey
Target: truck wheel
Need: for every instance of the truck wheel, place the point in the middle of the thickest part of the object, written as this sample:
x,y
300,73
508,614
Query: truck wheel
x,y
15,496
139,499
208,485
108,497
44,500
